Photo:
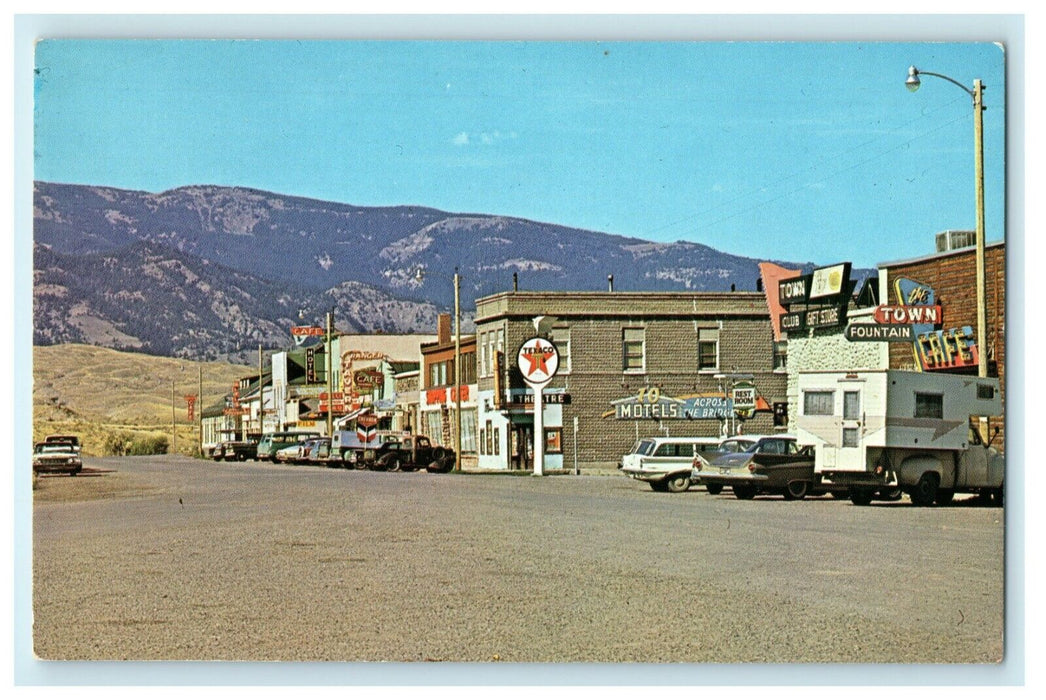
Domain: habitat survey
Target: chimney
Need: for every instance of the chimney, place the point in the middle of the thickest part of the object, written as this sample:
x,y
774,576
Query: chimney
x,y
443,329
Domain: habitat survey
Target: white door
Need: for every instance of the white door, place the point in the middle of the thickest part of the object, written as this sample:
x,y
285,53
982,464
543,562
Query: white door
x,y
851,452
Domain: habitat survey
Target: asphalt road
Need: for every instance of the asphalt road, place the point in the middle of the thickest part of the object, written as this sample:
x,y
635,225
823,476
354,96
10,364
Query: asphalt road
x,y
170,558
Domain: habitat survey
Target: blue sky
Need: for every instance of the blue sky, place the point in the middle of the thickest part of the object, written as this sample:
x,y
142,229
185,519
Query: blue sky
x,y
774,150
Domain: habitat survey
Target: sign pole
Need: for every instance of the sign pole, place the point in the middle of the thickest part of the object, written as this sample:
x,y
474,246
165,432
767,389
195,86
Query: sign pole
x,y
538,362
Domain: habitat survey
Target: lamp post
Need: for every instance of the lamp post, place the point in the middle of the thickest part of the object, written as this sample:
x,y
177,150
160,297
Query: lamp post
x,y
976,94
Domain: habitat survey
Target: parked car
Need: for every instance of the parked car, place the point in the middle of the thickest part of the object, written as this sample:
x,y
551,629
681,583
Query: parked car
x,y
408,453
664,462
271,443
703,458
56,457
314,451
773,464
235,450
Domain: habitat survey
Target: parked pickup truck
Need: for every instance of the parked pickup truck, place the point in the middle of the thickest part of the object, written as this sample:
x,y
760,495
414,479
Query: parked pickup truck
x,y
919,432
392,451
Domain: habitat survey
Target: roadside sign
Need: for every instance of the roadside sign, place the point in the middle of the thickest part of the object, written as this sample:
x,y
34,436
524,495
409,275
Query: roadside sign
x,y
744,398
538,361
881,332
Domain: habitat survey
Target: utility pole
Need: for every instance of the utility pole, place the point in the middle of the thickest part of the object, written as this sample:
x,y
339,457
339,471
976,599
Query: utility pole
x,y
330,373
457,369
261,394
200,409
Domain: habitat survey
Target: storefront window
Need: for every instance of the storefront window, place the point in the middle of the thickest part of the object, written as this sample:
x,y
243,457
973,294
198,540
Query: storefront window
x,y
561,339
553,440
468,431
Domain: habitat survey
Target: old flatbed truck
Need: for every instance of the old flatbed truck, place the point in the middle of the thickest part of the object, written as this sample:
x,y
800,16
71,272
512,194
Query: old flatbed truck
x,y
877,430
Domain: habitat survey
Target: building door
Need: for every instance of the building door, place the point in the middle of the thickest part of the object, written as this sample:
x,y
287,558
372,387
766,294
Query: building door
x,y
851,453
522,447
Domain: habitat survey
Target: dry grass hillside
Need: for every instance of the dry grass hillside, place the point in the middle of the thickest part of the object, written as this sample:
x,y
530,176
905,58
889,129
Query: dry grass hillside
x,y
96,393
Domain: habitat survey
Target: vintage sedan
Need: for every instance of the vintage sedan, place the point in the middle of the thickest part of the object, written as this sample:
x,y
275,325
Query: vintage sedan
x,y
56,457
772,464
704,458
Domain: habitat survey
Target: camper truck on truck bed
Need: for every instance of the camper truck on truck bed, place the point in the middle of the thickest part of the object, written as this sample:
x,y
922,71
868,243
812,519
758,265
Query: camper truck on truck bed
x,y
879,430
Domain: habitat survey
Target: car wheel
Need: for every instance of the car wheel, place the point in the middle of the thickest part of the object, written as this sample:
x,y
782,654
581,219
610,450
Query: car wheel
x,y
677,484
861,497
796,490
393,464
714,489
890,494
925,490
996,496
661,485
241,458
944,496
744,492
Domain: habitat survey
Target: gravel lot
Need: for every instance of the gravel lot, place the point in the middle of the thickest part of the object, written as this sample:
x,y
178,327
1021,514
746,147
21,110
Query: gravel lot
x,y
170,558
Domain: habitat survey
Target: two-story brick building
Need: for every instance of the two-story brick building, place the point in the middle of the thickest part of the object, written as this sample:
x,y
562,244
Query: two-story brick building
x,y
632,364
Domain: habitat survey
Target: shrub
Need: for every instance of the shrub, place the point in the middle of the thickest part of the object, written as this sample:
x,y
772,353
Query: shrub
x,y
125,443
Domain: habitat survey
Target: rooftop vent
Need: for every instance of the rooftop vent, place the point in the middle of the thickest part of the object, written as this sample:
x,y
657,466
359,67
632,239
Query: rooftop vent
x,y
953,240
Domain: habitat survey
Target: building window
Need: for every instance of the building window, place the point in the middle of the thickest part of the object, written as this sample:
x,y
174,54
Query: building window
x,y
851,405
850,437
780,355
561,339
634,349
468,432
433,426
707,348
497,441
818,403
553,441
483,449
439,373
468,368
929,405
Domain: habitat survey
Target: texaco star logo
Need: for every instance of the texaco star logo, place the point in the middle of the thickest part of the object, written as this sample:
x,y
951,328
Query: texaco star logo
x,y
538,361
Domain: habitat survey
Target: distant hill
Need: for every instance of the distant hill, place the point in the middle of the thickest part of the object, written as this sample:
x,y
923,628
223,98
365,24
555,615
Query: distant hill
x,y
93,391
210,272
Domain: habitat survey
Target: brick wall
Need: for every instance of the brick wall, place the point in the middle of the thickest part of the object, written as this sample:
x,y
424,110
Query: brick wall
x,y
597,377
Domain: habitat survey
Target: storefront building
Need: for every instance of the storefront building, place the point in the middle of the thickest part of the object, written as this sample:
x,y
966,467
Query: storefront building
x,y
948,279
631,365
439,415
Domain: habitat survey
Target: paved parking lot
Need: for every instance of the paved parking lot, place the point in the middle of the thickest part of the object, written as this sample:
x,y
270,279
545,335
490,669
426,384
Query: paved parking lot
x,y
171,558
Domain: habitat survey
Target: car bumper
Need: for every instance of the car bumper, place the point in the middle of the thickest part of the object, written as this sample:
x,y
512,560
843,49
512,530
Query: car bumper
x,y
651,474
731,479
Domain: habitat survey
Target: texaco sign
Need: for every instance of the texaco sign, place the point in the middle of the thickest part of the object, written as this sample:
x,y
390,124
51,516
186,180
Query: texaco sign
x,y
538,361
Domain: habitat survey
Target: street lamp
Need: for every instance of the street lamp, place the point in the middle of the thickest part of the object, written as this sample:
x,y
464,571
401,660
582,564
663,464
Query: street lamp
x,y
913,83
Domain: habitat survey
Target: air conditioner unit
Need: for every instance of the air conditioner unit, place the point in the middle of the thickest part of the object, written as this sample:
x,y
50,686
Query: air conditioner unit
x,y
953,240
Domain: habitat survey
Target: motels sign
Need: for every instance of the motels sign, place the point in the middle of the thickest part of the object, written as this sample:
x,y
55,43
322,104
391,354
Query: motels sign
x,y
650,403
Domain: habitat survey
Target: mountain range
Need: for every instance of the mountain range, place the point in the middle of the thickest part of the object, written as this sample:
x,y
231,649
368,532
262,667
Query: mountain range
x,y
212,272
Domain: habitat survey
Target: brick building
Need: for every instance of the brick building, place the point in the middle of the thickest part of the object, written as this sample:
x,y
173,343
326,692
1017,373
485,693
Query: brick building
x,y
632,364
952,275
438,397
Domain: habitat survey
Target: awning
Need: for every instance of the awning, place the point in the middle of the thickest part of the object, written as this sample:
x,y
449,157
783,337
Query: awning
x,y
343,421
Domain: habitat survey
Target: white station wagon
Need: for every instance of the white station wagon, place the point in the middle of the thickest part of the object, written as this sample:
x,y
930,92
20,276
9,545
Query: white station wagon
x,y
664,462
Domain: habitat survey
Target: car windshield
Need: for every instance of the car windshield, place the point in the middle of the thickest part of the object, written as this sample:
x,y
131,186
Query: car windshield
x,y
53,447
643,447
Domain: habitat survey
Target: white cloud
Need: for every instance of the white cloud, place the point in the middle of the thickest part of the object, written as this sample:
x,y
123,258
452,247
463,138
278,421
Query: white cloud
x,y
484,138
